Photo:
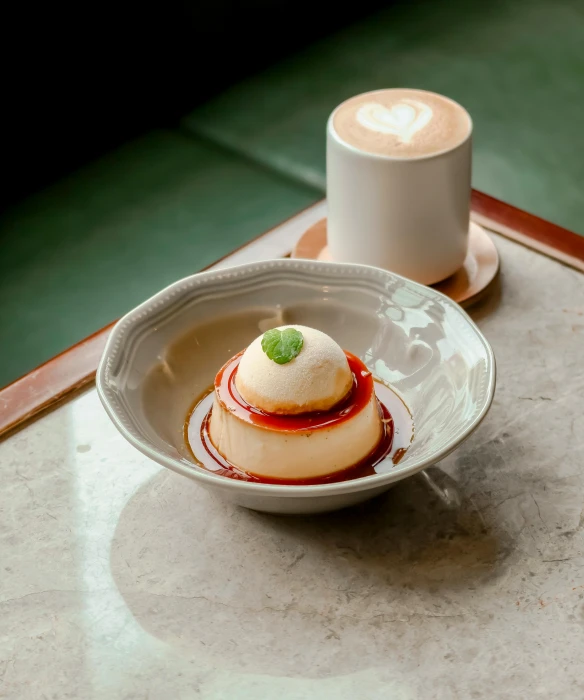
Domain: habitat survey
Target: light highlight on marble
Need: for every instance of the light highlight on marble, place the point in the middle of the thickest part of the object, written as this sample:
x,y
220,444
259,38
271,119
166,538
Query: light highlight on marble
x,y
122,580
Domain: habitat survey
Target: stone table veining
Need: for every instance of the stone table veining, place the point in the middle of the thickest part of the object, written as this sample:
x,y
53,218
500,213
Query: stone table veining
x,y
122,580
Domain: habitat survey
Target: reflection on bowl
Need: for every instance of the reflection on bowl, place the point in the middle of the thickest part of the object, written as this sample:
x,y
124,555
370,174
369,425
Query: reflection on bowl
x,y
166,352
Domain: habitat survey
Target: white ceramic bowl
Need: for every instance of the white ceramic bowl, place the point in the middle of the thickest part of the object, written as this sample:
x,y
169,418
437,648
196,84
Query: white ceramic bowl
x,y
162,355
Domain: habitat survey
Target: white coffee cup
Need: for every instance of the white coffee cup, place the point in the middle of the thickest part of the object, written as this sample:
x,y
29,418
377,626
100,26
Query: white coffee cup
x,y
399,183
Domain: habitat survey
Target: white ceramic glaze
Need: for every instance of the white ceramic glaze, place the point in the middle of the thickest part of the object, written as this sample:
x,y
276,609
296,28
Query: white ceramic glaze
x,y
408,215
162,355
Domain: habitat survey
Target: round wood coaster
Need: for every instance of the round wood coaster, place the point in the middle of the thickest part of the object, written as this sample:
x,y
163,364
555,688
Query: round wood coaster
x,y
465,286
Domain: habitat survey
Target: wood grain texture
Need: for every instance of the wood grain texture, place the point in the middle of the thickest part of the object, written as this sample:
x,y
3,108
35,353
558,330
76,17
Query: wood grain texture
x,y
53,380
75,367
529,230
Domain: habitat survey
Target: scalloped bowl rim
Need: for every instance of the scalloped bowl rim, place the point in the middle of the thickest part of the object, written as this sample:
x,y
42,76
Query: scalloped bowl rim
x,y
289,490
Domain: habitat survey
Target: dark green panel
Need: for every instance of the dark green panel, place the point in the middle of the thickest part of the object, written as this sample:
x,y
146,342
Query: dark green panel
x,y
78,255
518,66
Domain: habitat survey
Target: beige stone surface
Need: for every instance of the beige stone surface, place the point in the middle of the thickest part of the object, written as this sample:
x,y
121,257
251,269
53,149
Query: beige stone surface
x,y
119,579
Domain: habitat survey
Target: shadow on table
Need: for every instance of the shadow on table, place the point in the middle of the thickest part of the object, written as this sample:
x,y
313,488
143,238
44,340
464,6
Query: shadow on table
x,y
423,534
488,302
249,589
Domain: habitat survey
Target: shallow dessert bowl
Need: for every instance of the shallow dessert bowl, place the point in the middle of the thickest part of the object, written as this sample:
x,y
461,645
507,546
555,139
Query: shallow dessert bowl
x,y
165,353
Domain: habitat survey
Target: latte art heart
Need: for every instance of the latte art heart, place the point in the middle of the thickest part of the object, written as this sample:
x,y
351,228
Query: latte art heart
x,y
403,119
401,122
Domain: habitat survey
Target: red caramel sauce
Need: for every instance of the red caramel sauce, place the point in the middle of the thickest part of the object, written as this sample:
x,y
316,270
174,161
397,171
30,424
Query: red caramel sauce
x,y
196,429
353,403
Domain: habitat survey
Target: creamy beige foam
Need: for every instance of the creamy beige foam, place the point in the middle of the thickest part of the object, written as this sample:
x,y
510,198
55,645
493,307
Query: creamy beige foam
x,y
401,123
317,379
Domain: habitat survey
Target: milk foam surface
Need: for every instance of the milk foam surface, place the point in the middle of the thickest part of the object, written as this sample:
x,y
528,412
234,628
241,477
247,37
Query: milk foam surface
x,y
401,123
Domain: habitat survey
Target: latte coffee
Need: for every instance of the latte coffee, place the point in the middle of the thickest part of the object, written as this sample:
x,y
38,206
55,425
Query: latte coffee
x,y
401,123
398,173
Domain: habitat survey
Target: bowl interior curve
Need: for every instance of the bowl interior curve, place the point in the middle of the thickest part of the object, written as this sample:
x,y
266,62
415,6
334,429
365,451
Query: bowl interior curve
x,y
165,353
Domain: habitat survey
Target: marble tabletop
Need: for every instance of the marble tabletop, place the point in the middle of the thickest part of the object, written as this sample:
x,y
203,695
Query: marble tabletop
x,y
122,580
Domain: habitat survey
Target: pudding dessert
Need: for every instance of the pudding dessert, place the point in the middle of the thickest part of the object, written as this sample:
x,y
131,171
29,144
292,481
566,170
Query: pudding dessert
x,y
295,408
287,427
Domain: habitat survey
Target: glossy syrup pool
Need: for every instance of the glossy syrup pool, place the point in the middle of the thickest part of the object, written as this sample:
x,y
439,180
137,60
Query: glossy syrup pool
x,y
397,437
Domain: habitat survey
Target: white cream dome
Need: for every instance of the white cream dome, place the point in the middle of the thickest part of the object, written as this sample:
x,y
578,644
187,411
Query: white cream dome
x,y
315,380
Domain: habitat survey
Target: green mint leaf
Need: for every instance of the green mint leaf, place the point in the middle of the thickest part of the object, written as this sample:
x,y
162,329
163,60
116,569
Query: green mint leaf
x,y
282,346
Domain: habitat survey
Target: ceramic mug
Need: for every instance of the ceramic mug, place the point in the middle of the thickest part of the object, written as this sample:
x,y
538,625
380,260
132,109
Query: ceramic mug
x,y
399,183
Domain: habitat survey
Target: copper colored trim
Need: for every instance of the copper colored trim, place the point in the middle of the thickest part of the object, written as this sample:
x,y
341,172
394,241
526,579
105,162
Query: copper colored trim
x,y
75,367
529,230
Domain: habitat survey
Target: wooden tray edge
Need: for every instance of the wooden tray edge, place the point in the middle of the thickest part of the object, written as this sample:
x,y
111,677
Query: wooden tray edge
x,y
75,368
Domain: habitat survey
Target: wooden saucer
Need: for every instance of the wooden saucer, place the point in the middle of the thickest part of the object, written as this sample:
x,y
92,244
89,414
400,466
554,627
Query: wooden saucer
x,y
478,271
